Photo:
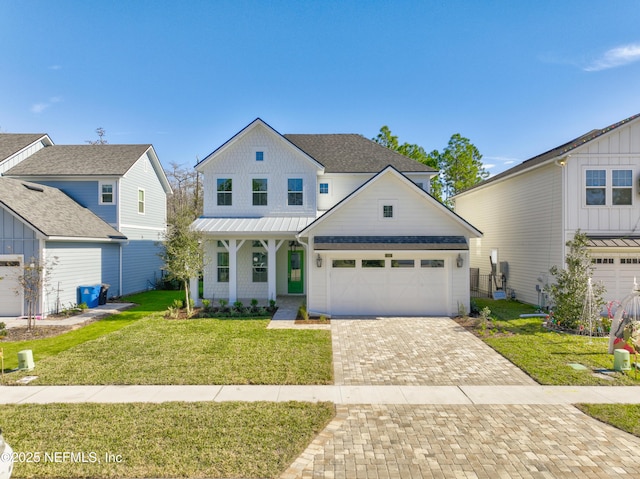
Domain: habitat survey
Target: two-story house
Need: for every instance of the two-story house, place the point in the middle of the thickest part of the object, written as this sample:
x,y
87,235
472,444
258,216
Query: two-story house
x,y
336,217
124,186
530,211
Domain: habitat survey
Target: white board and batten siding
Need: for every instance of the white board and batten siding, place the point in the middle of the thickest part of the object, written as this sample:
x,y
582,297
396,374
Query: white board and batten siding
x,y
617,150
389,290
522,220
281,161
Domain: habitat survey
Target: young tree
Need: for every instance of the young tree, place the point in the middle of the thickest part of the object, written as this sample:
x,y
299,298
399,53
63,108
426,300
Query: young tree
x,y
34,278
460,166
569,291
182,255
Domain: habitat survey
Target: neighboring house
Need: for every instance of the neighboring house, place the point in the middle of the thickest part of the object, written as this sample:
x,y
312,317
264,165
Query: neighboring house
x,y
336,217
41,222
124,185
530,211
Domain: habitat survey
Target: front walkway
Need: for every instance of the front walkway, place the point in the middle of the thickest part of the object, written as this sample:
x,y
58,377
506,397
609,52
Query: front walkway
x,y
89,315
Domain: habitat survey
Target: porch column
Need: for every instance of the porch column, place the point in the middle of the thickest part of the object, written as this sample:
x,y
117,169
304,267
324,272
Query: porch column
x,y
272,246
233,276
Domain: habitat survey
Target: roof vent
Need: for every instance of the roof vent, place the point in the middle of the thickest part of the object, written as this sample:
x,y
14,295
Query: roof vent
x,y
33,187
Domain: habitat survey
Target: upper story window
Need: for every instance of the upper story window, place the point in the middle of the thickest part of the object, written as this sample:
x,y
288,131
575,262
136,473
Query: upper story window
x,y
387,211
141,201
294,192
596,187
259,191
600,191
259,155
107,194
225,186
621,182
324,188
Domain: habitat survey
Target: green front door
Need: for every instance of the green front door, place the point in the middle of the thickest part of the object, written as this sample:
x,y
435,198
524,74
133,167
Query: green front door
x,y
296,272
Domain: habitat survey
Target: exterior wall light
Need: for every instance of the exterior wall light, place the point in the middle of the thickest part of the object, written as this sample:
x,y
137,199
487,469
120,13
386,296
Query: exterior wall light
x,y
319,261
459,261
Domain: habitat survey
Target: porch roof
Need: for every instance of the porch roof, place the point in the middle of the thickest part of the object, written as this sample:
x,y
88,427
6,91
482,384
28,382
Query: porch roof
x,y
390,242
613,242
253,226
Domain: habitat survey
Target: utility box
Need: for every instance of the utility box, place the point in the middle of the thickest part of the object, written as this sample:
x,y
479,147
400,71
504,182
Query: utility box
x,y
25,360
621,360
90,295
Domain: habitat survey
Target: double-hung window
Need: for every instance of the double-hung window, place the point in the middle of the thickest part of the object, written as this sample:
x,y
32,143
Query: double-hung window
x,y
259,186
596,187
141,201
106,194
225,188
621,187
294,192
223,267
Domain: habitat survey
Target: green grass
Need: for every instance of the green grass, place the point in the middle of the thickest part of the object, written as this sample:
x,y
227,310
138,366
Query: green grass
x,y
202,351
196,440
149,302
544,354
622,416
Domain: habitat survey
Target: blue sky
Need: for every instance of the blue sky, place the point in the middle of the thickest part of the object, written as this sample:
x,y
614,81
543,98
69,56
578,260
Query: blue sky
x,y
516,78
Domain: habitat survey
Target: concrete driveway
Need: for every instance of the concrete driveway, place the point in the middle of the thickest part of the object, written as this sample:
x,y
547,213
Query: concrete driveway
x,y
451,440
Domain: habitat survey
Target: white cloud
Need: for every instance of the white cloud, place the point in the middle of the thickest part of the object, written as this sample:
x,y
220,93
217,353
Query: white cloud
x,y
616,57
40,107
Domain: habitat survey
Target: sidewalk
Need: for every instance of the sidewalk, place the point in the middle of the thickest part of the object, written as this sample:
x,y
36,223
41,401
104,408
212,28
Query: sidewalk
x,y
89,315
338,394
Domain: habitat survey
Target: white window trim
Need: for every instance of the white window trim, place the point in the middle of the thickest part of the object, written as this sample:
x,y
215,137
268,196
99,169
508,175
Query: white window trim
x,y
260,177
608,188
113,192
303,191
215,189
329,189
144,201
382,204
264,155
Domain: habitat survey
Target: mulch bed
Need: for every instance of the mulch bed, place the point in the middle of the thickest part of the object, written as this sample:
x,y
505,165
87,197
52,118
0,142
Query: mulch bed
x,y
37,332
312,321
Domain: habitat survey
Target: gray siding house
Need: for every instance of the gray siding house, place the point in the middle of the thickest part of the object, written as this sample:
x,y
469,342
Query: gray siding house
x,y
123,186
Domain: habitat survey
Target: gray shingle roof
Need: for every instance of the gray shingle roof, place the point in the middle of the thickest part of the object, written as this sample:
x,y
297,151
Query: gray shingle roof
x,y
555,152
388,242
11,143
80,160
52,212
352,153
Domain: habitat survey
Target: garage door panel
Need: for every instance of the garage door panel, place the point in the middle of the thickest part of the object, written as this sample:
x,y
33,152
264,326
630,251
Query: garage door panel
x,y
388,291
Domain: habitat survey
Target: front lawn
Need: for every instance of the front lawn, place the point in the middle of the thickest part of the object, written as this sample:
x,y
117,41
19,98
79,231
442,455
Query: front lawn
x,y
196,440
545,355
147,303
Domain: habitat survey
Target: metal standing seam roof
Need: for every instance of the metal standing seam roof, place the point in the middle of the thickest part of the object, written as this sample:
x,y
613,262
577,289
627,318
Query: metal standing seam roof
x,y
390,242
353,153
613,241
11,143
52,212
264,225
80,160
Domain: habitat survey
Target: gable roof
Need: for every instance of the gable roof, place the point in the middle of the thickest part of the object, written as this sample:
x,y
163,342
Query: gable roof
x,y
52,213
11,143
410,184
353,153
255,123
80,160
554,153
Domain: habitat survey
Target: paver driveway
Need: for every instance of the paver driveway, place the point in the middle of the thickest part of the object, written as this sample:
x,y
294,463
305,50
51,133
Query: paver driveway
x,y
451,441
416,351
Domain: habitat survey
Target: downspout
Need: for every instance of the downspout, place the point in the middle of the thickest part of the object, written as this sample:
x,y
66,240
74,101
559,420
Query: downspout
x,y
43,261
562,163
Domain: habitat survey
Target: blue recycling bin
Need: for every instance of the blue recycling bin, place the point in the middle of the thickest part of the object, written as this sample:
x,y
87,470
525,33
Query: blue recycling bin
x,y
90,295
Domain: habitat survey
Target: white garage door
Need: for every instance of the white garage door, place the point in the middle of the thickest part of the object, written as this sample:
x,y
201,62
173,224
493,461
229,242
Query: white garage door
x,y
383,287
10,302
617,272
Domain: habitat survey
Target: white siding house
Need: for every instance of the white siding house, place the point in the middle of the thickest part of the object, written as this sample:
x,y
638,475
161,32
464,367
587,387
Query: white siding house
x,y
307,214
529,212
